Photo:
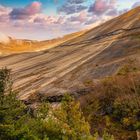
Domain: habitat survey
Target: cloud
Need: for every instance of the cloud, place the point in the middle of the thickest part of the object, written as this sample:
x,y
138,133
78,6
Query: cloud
x,y
136,4
26,12
76,1
80,18
4,10
4,13
112,12
91,20
100,7
73,15
4,38
72,7
45,20
61,20
4,18
101,11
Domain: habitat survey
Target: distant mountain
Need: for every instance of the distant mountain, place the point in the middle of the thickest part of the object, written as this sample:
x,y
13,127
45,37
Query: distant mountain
x,y
65,68
9,45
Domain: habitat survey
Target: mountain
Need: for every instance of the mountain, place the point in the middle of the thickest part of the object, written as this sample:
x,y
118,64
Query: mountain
x,y
65,68
9,45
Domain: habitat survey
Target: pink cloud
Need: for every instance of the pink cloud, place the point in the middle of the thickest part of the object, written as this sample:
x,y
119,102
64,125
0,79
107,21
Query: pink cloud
x,y
44,19
4,13
60,20
102,6
34,8
26,12
30,20
82,16
4,10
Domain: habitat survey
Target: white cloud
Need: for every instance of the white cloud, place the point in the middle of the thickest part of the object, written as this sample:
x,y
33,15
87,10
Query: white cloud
x,y
4,38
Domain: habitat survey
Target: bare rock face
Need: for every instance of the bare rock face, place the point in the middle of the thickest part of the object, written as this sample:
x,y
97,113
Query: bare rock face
x,y
64,69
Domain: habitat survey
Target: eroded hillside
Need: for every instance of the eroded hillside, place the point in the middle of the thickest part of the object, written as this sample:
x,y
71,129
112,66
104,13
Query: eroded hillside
x,y
93,55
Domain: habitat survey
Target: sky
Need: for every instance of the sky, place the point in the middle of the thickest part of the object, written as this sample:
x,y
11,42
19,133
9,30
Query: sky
x,y
47,19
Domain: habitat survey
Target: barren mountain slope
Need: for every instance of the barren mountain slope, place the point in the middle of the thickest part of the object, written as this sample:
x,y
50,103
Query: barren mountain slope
x,y
93,55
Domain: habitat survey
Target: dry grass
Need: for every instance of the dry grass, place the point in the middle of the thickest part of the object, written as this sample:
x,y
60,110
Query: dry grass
x,y
122,90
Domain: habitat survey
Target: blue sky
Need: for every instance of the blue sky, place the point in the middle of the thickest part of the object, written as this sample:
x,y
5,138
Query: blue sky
x,y
53,4
49,6
45,19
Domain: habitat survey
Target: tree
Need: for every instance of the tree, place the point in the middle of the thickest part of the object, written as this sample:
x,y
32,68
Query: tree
x,y
5,82
14,115
68,121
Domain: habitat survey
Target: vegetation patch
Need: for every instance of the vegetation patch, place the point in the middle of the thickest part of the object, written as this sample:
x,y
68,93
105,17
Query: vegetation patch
x,y
21,122
114,105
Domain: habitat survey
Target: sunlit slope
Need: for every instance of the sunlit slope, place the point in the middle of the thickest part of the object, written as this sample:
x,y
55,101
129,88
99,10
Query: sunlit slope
x,y
67,67
19,46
